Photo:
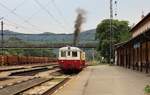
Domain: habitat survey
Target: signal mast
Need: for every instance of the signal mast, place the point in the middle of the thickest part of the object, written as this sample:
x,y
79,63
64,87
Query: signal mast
x,y
111,55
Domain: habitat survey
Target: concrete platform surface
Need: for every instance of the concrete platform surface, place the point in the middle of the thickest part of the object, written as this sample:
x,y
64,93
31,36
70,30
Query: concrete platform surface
x,y
106,80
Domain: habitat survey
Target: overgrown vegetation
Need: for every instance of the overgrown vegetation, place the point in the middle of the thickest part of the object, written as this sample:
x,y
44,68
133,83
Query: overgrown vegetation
x,y
16,42
120,34
147,89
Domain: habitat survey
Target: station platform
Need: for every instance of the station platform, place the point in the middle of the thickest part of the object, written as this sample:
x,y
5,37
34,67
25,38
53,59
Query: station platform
x,y
106,80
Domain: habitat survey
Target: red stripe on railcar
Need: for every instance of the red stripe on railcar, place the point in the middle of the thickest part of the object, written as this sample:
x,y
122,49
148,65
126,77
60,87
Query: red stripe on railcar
x,y
71,64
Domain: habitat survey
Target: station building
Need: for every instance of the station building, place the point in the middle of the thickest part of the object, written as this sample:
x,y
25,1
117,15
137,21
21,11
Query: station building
x,y
135,53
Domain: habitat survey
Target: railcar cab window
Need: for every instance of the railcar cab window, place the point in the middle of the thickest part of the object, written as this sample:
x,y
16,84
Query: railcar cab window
x,y
68,53
63,53
74,54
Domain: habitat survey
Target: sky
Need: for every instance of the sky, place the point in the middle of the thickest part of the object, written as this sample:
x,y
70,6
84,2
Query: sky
x,y
58,16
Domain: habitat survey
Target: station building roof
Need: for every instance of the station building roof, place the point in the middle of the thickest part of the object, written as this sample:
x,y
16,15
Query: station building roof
x,y
140,22
142,36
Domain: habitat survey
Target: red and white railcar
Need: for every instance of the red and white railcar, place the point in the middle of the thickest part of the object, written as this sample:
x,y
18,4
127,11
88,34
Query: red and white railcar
x,y
71,58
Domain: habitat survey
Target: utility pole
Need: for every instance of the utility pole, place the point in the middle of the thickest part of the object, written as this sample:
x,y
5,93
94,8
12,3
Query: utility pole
x,y
2,42
111,31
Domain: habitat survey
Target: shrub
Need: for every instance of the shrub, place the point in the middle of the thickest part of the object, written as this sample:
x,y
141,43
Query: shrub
x,y
147,89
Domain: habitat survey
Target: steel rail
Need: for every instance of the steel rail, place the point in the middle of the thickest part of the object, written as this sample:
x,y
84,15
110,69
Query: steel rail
x,y
57,86
17,88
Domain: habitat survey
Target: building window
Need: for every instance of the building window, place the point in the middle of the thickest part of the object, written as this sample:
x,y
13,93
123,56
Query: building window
x,y
74,54
63,53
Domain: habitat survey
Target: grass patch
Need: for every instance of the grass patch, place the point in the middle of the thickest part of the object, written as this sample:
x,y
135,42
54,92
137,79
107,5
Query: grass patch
x,y
147,89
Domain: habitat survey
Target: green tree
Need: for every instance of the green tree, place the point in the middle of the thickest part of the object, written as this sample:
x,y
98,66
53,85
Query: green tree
x,y
39,52
18,52
120,34
14,42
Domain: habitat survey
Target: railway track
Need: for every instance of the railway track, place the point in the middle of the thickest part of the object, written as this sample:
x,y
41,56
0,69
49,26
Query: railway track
x,y
17,88
35,86
31,83
28,73
46,88
25,71
9,68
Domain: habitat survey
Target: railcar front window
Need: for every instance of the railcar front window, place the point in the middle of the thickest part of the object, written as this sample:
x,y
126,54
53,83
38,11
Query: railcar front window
x,y
68,53
74,54
63,53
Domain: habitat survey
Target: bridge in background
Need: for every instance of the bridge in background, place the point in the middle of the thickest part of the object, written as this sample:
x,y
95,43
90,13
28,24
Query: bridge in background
x,y
56,45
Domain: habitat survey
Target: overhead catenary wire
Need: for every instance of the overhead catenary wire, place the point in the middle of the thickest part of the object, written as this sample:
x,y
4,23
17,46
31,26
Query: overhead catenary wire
x,y
19,17
35,13
50,14
59,12
15,8
11,23
15,25
21,4
27,20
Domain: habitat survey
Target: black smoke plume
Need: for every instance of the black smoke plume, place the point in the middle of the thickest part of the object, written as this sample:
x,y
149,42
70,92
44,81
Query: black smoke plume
x,y
78,23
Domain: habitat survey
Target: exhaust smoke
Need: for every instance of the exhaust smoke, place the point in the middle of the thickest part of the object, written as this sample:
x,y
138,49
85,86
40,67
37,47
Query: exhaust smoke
x,y
78,23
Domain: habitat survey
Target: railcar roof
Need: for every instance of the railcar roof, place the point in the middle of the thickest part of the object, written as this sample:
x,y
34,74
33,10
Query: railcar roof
x,y
71,48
